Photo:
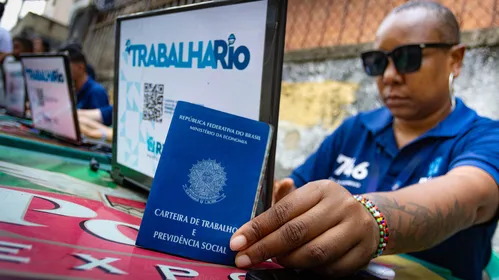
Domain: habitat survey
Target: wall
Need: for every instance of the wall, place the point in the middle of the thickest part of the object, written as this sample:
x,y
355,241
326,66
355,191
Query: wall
x,y
343,88
33,24
58,10
322,23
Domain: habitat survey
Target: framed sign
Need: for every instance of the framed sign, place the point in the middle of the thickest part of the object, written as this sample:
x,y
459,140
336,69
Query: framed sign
x,y
15,89
52,99
226,55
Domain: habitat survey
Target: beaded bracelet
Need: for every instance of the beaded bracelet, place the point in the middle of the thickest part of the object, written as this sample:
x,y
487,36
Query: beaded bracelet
x,y
383,227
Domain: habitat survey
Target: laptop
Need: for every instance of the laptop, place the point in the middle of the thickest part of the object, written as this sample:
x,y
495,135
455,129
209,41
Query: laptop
x,y
52,98
15,91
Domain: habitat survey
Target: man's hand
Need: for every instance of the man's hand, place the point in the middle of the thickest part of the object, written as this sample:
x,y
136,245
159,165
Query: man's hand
x,y
281,189
93,114
94,129
319,226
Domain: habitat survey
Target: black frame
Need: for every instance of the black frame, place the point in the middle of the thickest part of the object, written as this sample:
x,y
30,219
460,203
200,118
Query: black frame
x,y
69,83
270,90
3,86
9,112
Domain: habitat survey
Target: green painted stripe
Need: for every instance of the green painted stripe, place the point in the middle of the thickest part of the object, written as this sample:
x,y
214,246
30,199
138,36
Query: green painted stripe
x,y
73,167
33,145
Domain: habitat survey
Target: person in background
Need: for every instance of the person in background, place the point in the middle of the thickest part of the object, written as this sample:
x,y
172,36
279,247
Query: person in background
x,y
5,39
89,93
103,115
20,45
418,176
41,45
90,68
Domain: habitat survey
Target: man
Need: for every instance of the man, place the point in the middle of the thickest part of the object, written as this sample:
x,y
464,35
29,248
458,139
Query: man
x,y
20,45
430,167
90,68
90,94
40,45
5,39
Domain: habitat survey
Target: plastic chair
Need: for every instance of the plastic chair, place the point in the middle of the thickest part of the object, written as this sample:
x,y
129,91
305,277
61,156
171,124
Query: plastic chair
x,y
492,268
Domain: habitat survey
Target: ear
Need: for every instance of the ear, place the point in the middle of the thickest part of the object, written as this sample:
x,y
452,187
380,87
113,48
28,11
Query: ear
x,y
457,57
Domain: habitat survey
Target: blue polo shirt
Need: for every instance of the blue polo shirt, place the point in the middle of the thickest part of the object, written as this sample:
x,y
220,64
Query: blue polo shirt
x,y
362,155
92,95
107,115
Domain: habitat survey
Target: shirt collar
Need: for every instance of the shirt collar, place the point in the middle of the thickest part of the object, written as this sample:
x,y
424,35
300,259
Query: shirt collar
x,y
378,120
85,86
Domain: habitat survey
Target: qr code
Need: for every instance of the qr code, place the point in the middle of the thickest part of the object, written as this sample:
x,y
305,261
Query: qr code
x,y
153,102
39,97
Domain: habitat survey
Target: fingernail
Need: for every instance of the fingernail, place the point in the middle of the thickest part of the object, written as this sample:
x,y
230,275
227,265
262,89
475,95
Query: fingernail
x,y
243,261
237,243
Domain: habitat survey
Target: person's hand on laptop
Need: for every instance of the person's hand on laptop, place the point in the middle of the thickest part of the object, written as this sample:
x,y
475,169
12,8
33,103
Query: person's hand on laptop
x,y
94,129
92,114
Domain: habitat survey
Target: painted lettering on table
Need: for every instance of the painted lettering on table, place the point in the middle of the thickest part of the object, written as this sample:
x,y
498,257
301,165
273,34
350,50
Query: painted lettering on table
x,y
9,250
57,235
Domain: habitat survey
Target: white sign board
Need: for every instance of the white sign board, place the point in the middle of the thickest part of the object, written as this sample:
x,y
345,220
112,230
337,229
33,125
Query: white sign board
x,y
48,90
15,96
213,57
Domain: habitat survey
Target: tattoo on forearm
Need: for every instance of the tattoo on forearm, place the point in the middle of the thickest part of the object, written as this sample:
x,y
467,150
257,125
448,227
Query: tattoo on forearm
x,y
415,227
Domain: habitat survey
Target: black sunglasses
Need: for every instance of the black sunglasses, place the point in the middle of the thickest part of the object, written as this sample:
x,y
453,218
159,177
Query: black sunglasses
x,y
407,58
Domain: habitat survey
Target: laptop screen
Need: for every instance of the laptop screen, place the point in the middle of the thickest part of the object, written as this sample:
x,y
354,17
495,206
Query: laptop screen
x,y
50,94
15,95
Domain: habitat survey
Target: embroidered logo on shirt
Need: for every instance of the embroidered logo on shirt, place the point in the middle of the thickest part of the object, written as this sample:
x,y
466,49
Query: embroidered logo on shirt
x,y
433,170
348,168
434,167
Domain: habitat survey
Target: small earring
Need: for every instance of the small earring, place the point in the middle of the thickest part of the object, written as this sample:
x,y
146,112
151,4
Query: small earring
x,y
451,90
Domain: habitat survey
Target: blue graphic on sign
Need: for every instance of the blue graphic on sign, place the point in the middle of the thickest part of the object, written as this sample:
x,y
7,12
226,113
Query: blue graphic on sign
x,y
154,146
51,76
202,54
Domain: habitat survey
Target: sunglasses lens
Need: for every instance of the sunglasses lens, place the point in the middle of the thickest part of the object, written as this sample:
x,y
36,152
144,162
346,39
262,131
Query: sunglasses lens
x,y
375,63
407,59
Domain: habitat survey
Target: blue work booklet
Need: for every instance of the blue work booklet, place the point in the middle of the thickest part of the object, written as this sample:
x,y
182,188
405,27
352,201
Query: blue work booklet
x,y
207,183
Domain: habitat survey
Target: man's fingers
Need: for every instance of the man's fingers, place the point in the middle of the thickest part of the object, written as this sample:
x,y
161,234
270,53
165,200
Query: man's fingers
x,y
291,235
326,248
293,205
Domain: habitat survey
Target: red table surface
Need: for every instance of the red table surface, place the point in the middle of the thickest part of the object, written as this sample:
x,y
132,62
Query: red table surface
x,y
44,234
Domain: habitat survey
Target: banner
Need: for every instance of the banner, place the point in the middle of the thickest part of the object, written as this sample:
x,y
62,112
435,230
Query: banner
x,y
211,57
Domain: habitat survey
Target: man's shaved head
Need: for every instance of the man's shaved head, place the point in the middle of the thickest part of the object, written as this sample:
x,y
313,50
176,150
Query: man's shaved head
x,y
448,25
427,89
